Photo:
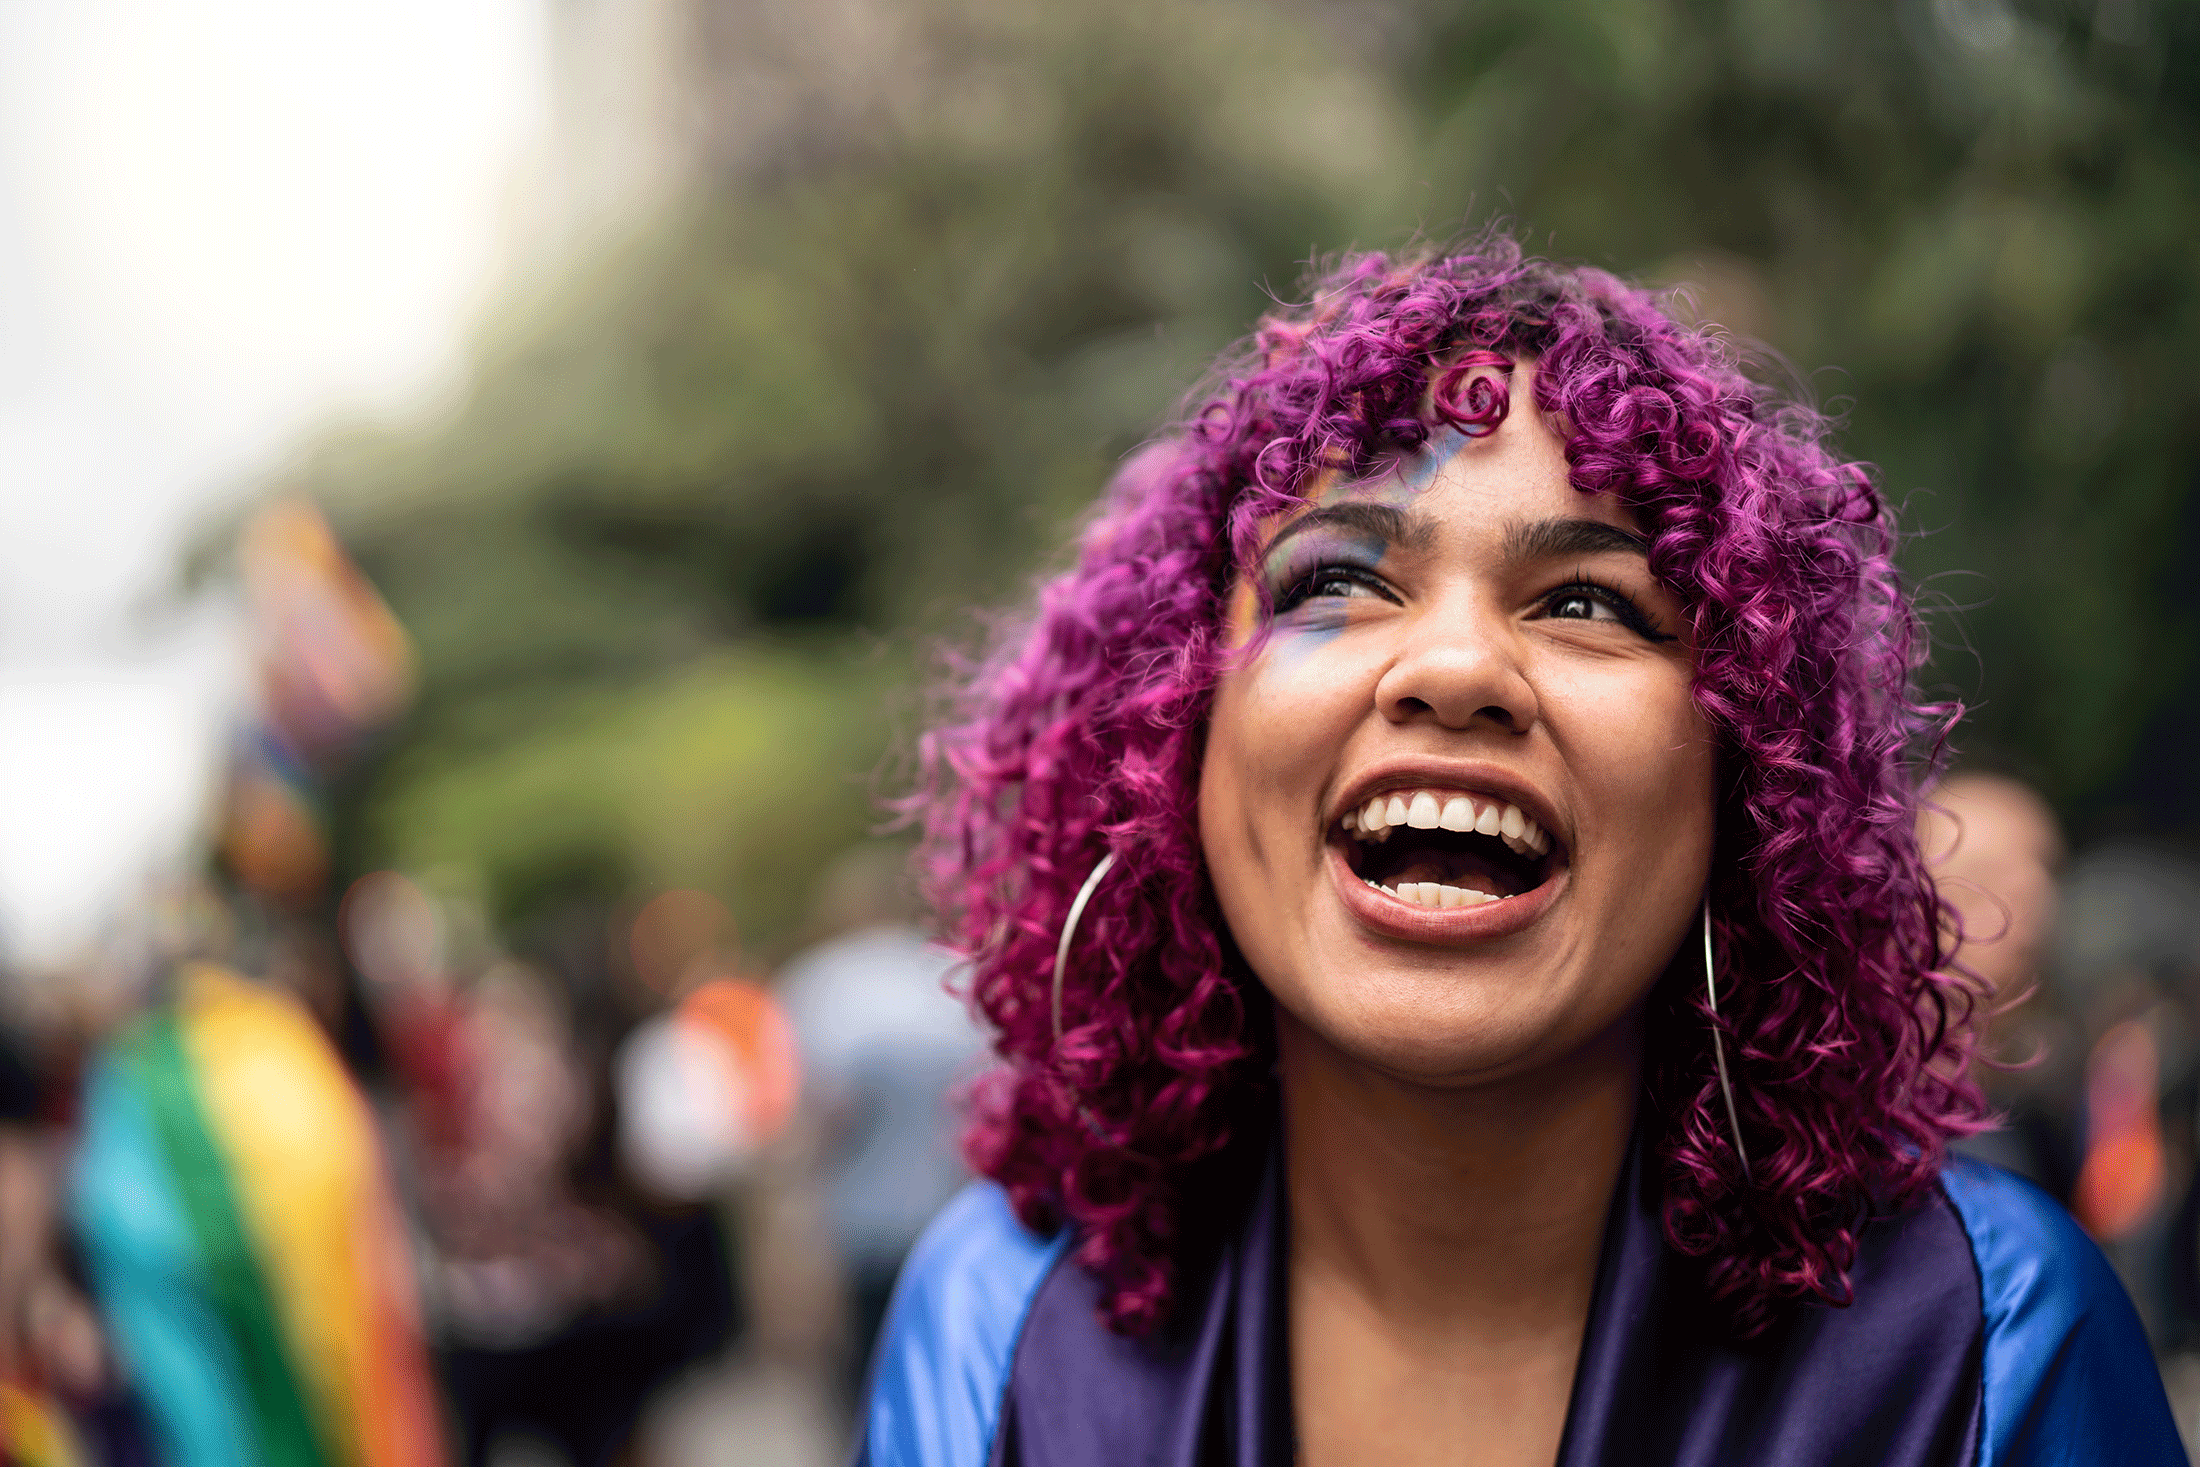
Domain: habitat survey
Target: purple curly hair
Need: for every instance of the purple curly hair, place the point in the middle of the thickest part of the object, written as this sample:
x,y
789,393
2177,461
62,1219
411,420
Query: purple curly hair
x,y
1849,1030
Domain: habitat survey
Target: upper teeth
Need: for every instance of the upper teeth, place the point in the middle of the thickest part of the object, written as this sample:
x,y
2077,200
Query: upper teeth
x,y
1447,810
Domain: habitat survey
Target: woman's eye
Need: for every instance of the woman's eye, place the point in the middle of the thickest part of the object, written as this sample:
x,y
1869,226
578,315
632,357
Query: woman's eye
x,y
1579,606
1589,602
1330,582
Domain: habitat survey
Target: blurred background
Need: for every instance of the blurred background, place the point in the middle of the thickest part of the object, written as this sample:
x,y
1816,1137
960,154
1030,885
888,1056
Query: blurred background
x,y
484,479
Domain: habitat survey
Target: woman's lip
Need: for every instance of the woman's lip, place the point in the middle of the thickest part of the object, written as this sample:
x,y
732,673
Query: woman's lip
x,y
1396,917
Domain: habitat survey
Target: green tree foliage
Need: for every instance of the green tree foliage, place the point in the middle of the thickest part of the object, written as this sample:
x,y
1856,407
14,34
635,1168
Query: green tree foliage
x,y
1981,214
817,413
709,494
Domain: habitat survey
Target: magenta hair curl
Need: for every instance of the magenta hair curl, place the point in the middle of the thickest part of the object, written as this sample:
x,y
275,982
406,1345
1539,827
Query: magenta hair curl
x,y
1850,1036
1471,400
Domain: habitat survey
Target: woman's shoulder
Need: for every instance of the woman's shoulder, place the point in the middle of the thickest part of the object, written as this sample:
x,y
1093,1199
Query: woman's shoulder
x,y
941,1367
2066,1373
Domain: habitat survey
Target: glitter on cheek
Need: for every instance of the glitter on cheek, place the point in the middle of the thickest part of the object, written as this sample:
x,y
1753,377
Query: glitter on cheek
x,y
1305,632
1292,650
1293,637
1242,618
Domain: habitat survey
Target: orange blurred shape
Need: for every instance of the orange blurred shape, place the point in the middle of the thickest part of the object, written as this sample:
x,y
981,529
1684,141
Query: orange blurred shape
x,y
2121,1183
337,663
672,932
753,1027
272,839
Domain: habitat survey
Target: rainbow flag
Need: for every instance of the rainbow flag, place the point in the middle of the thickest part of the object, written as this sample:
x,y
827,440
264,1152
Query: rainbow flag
x,y
34,1431
234,1209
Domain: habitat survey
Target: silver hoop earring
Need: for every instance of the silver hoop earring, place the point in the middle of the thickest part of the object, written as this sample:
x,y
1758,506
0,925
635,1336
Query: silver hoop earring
x,y
1718,1045
1069,931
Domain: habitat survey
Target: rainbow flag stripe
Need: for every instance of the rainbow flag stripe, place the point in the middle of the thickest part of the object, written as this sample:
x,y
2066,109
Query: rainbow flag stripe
x,y
34,1432
235,1212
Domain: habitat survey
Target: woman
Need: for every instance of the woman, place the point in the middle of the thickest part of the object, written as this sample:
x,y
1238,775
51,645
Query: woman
x,y
1441,867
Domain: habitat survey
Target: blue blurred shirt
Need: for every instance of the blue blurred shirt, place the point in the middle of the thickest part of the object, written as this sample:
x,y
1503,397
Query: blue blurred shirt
x,y
883,1047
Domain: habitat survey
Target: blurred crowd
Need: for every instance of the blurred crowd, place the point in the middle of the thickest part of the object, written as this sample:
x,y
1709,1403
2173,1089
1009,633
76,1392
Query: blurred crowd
x,y
402,1193
324,1169
2093,962
328,1169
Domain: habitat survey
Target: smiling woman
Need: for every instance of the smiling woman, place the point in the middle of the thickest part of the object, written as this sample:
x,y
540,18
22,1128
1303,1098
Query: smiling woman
x,y
1441,870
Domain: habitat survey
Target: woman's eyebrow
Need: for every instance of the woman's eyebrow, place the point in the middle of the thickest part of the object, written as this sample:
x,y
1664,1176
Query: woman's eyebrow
x,y
1382,522
1557,539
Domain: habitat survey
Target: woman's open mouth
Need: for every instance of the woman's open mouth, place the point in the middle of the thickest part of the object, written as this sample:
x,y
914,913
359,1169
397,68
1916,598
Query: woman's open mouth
x,y
1446,847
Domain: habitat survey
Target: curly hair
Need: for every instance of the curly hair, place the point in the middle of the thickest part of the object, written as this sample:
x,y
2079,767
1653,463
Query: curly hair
x,y
1849,1027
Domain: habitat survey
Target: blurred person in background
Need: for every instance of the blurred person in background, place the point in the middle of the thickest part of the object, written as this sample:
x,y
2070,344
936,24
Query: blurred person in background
x,y
230,1188
63,1401
250,1260
563,1289
884,1045
1996,850
1511,1005
2123,967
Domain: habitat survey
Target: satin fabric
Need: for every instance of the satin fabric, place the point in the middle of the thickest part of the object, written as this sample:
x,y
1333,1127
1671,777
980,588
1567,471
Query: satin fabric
x,y
1984,1329
1892,1381
2068,1376
951,1334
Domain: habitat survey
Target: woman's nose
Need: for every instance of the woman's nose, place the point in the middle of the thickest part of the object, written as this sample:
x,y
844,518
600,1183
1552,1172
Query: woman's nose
x,y
1459,668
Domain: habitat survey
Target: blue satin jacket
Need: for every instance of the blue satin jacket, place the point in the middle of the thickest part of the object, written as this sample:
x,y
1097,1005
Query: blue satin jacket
x,y
1986,1329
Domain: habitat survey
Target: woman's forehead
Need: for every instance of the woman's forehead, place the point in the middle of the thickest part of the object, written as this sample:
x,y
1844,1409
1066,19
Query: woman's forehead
x,y
1472,485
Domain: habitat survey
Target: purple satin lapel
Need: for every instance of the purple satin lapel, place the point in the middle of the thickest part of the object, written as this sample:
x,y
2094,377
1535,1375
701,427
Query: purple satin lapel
x,y
1083,1396
1892,1381
1258,1432
1209,1392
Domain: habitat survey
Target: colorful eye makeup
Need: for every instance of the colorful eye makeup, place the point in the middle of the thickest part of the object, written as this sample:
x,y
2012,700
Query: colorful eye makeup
x,y
1405,481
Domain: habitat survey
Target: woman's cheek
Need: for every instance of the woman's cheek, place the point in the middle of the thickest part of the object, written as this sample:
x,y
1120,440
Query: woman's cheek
x,y
1671,753
1636,744
1308,685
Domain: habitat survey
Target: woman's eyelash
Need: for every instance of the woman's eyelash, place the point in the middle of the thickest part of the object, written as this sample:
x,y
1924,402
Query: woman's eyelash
x,y
1619,602
1304,587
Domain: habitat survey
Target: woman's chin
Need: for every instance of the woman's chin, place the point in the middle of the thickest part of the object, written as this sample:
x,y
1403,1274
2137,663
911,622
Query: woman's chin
x,y
1434,1029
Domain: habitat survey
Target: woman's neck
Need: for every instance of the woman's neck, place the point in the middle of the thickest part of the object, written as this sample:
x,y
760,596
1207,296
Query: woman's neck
x,y
1455,1200
1444,1245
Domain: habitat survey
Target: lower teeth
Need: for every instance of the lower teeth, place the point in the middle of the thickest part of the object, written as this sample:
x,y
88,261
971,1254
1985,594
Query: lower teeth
x,y
1435,894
